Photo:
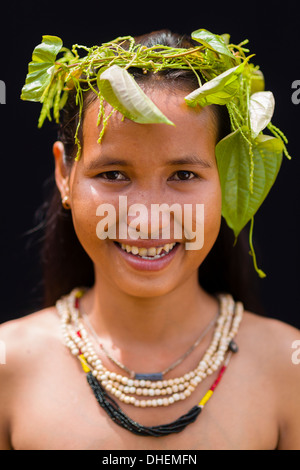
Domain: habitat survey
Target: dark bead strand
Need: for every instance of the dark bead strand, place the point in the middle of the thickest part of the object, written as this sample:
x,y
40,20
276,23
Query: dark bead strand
x,y
120,418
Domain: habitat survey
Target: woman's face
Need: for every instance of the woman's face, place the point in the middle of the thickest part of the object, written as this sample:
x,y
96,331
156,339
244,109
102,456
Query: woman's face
x,y
145,163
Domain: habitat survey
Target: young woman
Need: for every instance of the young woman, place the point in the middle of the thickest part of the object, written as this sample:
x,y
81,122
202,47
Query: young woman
x,y
148,305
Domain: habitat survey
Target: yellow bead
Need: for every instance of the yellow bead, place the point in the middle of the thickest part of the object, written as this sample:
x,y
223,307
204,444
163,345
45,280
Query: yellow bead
x,y
84,365
206,398
79,293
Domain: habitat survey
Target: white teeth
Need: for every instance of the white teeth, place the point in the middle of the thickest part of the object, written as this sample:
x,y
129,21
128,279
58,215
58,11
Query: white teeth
x,y
152,252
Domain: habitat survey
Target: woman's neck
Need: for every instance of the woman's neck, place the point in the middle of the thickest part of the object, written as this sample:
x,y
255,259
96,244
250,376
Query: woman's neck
x,y
123,319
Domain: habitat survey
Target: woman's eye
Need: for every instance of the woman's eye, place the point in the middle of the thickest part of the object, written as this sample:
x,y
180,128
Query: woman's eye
x,y
112,176
183,175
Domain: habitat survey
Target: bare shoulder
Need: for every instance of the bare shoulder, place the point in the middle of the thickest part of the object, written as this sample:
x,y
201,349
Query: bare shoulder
x,y
23,343
21,335
272,342
271,334
275,348
27,339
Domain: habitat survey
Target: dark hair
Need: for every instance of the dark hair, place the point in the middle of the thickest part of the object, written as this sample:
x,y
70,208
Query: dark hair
x,y
227,268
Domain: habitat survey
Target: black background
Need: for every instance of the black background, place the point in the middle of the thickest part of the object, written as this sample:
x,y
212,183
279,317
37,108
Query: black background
x,y
26,152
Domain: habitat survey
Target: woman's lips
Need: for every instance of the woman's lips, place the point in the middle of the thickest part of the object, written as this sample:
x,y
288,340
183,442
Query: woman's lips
x,y
142,264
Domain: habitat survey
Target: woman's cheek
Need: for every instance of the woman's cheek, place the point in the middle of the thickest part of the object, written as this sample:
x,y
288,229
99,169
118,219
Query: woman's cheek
x,y
85,201
212,217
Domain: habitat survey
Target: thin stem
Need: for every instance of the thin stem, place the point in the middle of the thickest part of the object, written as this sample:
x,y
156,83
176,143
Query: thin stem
x,y
252,252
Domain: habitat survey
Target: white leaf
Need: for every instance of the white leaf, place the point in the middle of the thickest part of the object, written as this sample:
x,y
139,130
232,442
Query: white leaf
x,y
261,110
122,92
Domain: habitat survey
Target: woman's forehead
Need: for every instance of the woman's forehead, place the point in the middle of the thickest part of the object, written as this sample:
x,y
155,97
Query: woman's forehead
x,y
195,128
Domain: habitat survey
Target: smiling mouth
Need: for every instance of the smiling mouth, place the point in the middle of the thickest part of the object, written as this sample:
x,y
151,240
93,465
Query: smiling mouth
x,y
151,253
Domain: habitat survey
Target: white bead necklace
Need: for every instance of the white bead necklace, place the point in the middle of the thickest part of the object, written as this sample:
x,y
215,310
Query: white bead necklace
x,y
150,393
154,376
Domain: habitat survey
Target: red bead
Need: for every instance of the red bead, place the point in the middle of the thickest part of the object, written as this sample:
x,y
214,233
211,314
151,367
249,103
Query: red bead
x,y
214,385
76,302
78,334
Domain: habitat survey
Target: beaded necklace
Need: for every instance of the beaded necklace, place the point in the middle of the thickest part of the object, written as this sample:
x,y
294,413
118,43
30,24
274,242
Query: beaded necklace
x,y
153,393
154,376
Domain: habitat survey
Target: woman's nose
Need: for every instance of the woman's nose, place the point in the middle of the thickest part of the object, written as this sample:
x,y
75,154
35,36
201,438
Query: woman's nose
x,y
150,219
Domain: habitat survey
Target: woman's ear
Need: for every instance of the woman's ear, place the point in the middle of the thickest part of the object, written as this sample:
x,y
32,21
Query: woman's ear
x,y
61,169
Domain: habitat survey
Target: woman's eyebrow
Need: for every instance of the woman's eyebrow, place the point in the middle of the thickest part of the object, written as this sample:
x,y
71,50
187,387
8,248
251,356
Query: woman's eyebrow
x,y
190,160
187,160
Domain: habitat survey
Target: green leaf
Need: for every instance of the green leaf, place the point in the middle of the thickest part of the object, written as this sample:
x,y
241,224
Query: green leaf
x,y
261,109
219,90
257,81
226,38
41,69
122,92
212,41
239,204
47,51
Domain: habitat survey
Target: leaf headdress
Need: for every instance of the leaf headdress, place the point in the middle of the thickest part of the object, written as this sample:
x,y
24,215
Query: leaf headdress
x,y
248,160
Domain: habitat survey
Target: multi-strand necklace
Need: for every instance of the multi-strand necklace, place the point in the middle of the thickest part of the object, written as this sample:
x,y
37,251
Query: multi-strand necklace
x,y
149,393
157,376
